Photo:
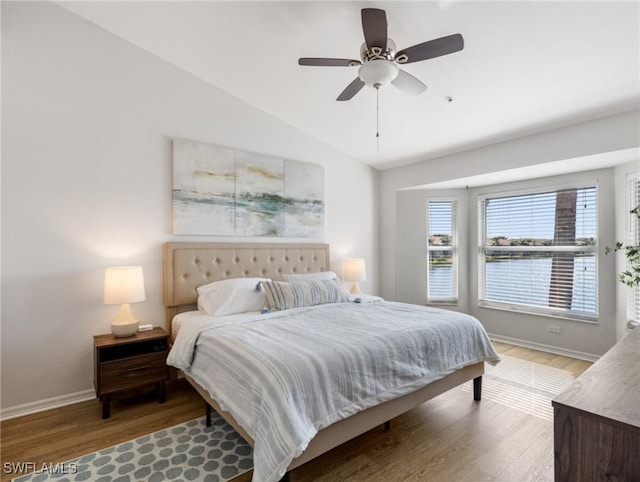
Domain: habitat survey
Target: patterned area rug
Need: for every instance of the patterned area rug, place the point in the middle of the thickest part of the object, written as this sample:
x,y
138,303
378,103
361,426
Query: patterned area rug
x,y
523,385
186,452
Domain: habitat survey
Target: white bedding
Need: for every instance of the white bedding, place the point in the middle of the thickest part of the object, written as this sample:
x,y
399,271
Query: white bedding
x,y
185,318
286,375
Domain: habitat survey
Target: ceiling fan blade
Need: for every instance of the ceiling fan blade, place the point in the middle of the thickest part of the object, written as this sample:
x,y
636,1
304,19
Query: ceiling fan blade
x,y
352,89
322,62
374,26
431,49
408,83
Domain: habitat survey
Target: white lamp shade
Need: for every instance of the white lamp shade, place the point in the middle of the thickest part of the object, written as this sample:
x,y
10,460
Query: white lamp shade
x,y
355,269
123,285
378,72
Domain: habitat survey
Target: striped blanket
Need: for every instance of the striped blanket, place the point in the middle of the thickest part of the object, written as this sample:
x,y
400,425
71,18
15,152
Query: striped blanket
x,y
284,376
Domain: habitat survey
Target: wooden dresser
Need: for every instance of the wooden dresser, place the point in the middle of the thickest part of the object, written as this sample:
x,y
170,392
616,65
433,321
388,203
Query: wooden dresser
x,y
597,419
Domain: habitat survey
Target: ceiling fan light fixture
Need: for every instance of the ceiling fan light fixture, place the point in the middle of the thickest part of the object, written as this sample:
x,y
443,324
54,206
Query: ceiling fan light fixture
x,y
378,73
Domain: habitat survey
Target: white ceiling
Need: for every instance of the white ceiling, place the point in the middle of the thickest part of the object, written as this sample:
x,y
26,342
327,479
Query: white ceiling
x,y
526,66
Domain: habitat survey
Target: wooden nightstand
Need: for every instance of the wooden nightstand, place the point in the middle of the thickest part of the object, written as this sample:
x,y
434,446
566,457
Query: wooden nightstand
x,y
122,364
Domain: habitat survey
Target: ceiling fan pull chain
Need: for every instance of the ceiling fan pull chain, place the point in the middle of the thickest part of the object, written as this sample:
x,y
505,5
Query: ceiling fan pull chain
x,y
377,118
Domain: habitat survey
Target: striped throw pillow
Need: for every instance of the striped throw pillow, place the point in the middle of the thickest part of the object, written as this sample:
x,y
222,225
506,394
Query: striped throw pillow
x,y
295,294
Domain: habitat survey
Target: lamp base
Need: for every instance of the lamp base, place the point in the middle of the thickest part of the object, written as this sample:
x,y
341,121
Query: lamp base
x,y
123,330
355,289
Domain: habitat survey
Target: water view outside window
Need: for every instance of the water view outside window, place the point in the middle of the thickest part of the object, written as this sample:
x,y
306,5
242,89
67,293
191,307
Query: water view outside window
x,y
441,247
538,253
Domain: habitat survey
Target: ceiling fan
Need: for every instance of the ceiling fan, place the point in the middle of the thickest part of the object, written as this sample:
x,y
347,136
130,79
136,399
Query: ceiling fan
x,y
379,58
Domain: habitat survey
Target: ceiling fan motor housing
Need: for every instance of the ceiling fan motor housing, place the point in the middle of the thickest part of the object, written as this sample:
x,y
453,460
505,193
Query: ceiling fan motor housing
x,y
375,53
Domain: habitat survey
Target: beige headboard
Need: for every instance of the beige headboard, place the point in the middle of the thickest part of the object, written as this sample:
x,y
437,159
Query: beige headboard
x,y
189,265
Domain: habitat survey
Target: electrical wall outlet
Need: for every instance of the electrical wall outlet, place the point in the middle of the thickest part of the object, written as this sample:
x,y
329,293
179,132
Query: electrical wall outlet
x,y
553,329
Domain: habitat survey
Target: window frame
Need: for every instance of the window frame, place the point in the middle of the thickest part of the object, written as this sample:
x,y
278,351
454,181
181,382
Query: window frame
x,y
454,248
633,239
534,309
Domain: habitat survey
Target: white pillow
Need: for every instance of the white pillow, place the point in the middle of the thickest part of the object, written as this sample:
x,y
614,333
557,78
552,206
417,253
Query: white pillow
x,y
322,275
231,296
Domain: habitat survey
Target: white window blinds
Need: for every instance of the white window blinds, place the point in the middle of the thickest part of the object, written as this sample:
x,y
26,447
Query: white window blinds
x,y
538,252
442,251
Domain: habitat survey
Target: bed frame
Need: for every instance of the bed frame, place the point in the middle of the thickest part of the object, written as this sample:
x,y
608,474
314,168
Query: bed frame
x,y
189,265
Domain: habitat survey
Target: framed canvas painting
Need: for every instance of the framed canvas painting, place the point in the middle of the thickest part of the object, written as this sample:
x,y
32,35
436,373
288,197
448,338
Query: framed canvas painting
x,y
226,192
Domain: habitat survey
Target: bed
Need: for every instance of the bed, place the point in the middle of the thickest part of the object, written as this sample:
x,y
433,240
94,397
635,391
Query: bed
x,y
191,265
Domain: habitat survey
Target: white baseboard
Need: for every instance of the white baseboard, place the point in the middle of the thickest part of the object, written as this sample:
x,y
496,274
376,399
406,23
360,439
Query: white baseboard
x,y
547,348
46,404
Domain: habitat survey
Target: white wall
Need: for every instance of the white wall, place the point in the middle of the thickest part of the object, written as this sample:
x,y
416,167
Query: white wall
x,y
411,243
86,183
606,135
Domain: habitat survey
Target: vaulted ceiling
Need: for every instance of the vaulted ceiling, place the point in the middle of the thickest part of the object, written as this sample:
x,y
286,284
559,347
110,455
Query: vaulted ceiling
x,y
526,67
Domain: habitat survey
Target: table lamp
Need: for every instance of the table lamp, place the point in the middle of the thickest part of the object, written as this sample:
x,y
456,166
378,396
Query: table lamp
x,y
355,270
124,285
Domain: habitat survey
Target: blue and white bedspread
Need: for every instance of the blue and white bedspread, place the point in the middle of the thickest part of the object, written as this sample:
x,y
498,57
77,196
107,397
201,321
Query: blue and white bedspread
x,y
286,375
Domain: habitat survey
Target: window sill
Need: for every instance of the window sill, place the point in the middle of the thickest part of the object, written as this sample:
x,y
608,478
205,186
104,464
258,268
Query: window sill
x,y
582,319
442,303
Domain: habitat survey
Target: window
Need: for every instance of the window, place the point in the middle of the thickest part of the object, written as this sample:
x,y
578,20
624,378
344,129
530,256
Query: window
x,y
633,239
538,253
442,278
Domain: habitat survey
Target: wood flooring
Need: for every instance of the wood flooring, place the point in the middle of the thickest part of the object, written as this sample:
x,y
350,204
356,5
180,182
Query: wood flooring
x,y
450,438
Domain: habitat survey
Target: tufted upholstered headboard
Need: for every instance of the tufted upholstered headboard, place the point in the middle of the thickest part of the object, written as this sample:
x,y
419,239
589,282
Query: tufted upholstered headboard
x,y
189,265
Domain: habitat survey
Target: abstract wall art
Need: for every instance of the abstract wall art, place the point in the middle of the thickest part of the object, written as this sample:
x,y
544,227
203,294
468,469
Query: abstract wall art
x,y
227,192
